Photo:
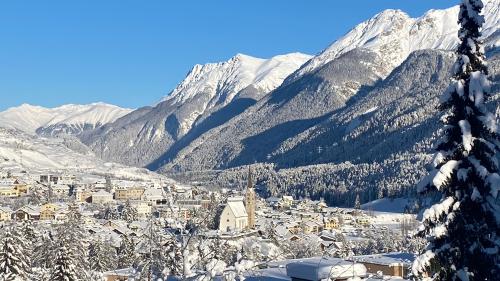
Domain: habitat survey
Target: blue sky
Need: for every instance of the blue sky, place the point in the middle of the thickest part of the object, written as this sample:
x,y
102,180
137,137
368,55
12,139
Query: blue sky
x,y
132,53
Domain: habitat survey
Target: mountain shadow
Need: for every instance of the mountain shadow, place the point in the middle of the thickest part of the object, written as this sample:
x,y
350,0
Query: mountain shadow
x,y
216,119
258,147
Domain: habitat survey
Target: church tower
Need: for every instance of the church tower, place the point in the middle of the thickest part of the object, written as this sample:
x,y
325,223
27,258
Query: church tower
x,y
250,201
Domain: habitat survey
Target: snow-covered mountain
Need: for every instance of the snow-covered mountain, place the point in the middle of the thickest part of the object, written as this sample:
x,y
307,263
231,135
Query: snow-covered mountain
x,y
209,96
68,119
214,85
395,35
236,112
20,151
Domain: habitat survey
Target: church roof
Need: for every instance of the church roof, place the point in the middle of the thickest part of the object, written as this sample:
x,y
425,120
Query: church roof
x,y
238,208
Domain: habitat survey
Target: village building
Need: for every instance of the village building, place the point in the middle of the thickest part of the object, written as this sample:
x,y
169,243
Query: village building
x,y
53,211
143,208
129,193
330,223
13,187
83,195
156,196
27,212
5,213
390,264
101,197
322,268
60,190
234,217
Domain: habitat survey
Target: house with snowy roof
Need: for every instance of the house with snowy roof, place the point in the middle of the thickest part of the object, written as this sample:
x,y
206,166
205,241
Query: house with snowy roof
x,y
154,196
102,197
234,216
53,211
390,264
27,212
322,268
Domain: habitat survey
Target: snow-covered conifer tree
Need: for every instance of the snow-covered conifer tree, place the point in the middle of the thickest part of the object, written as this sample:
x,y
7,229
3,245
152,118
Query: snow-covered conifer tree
x,y
129,212
463,228
102,256
127,256
73,237
357,203
64,269
14,265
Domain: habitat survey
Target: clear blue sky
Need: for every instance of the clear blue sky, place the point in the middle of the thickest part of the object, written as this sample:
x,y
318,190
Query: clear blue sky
x,y
132,53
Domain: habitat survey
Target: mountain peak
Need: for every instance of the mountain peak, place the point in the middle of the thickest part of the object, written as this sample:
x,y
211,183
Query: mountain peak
x,y
394,35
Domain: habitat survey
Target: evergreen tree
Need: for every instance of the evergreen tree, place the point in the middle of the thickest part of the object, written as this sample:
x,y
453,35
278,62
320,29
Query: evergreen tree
x,y
129,212
73,237
102,256
44,252
127,256
462,230
357,203
64,269
14,265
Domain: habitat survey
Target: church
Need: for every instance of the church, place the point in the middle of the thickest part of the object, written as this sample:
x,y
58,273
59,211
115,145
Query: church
x,y
239,212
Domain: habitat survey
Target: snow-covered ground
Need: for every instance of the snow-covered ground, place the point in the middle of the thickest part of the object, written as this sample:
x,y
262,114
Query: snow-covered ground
x,y
21,151
396,205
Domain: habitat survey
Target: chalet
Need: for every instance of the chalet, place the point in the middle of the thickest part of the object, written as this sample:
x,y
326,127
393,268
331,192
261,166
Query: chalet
x,y
118,227
310,226
363,221
27,212
330,223
390,264
143,208
13,187
83,195
60,190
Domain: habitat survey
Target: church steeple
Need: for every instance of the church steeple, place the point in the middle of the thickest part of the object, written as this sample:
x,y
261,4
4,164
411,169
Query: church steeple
x,y
250,200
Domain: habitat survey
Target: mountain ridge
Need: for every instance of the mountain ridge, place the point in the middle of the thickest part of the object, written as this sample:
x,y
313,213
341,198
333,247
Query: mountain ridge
x,y
68,118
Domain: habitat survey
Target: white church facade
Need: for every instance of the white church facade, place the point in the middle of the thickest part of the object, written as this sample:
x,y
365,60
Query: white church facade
x,y
234,217
239,212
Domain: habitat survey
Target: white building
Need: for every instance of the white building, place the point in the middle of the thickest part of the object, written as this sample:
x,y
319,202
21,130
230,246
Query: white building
x,y
154,195
101,197
143,208
234,217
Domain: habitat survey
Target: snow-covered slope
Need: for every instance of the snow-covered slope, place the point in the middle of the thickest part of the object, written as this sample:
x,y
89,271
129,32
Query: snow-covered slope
x,y
234,75
214,85
21,151
393,34
70,119
209,96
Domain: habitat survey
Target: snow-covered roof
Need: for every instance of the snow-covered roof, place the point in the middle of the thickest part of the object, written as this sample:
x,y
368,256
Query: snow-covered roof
x,y
102,193
387,258
238,208
324,268
5,209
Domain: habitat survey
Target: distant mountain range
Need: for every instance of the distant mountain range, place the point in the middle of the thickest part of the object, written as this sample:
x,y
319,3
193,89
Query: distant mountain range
x,y
67,119
359,116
